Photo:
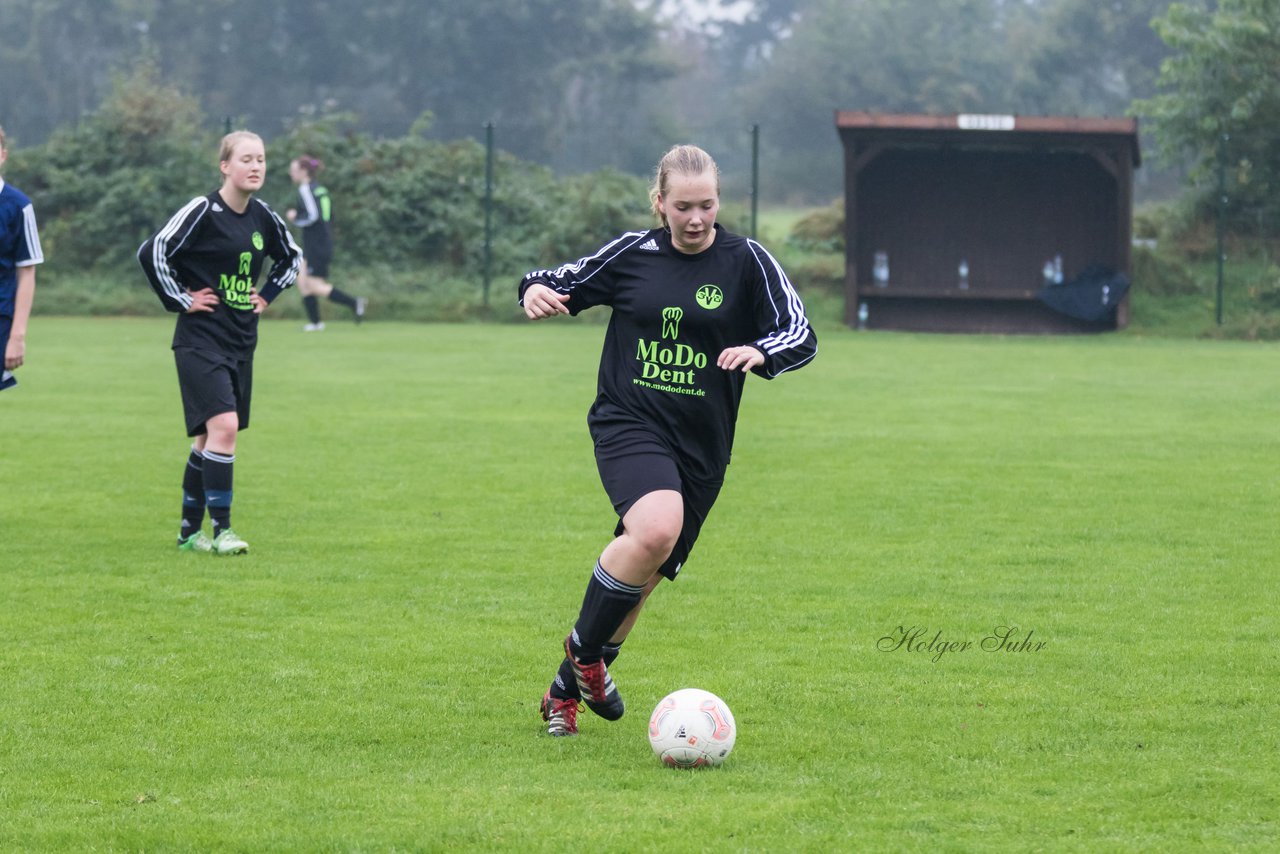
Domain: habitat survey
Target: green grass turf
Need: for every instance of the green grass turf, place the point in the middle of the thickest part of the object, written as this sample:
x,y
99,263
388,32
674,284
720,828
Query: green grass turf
x,y
424,513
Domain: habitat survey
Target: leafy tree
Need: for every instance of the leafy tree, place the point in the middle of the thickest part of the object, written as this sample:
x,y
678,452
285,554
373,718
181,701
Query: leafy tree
x,y
1222,80
800,60
750,42
1084,57
554,74
879,55
56,58
104,185
408,202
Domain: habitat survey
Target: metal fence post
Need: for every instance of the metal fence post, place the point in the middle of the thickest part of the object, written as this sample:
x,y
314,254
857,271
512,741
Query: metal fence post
x,y
488,208
1222,218
755,179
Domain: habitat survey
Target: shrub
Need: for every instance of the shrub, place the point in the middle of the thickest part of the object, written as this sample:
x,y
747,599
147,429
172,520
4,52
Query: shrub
x,y
413,200
409,204
1251,326
104,186
822,230
1264,288
1162,273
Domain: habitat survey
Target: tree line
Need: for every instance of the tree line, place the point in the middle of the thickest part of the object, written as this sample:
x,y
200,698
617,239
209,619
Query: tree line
x,y
576,86
403,201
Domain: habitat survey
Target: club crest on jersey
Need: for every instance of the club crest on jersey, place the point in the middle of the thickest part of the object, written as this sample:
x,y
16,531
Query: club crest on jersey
x,y
257,241
709,297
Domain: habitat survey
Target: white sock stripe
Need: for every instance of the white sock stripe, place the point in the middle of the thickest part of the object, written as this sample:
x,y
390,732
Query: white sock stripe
x,y
219,458
612,583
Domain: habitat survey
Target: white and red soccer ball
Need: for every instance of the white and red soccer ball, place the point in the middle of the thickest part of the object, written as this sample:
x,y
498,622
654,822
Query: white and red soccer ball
x,y
692,728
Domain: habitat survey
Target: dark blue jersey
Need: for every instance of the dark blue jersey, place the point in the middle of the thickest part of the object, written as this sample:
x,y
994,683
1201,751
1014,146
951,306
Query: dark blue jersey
x,y
673,314
19,242
208,245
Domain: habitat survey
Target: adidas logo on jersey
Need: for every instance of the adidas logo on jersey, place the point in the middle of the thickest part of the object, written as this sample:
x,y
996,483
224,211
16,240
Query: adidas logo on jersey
x,y
651,245
216,207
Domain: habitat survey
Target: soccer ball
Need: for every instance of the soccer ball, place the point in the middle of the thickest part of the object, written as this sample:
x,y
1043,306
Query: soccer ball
x,y
692,728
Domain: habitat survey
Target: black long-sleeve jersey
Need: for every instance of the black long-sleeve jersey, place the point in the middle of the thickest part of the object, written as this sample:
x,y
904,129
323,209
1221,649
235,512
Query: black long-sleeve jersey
x,y
673,314
207,244
316,211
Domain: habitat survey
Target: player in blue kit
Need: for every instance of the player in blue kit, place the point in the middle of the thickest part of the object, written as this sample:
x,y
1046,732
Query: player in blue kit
x,y
19,255
695,309
204,265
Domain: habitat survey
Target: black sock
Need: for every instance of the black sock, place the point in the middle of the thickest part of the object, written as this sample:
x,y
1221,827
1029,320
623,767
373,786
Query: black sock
x,y
565,686
312,305
217,488
341,298
604,607
192,495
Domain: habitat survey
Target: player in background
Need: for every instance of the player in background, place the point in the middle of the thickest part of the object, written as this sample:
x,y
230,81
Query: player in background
x,y
204,264
317,243
695,308
19,255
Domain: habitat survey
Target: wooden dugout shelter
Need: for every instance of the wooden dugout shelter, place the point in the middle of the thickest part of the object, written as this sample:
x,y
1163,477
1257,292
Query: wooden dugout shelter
x,y
1014,202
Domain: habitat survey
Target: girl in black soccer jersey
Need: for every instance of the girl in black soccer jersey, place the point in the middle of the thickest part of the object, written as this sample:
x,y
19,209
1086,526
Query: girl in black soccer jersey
x,y
204,265
317,243
695,309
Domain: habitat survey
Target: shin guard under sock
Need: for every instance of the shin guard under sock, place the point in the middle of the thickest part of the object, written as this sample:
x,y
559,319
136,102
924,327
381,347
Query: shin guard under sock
x,y
192,495
604,607
217,488
312,306
342,298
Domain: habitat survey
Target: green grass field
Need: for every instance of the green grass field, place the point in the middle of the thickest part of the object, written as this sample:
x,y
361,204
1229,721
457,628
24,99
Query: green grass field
x,y
424,513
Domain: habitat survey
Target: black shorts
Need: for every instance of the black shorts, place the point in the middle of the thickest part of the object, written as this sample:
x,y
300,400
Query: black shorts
x,y
212,384
317,261
632,463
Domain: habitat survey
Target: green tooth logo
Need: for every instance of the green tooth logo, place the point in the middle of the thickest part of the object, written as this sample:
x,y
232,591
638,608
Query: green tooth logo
x,y
671,322
246,263
709,297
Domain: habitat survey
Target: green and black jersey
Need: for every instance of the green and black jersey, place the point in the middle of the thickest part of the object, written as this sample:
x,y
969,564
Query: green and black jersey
x,y
673,314
315,212
208,245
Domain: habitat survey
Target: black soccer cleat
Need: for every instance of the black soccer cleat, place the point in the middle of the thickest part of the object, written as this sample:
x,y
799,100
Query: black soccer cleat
x,y
561,715
596,685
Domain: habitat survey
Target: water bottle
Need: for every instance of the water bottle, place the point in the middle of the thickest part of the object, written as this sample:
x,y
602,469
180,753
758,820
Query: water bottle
x,y
964,274
880,269
863,314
